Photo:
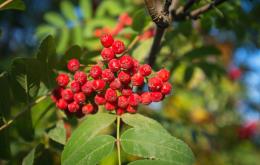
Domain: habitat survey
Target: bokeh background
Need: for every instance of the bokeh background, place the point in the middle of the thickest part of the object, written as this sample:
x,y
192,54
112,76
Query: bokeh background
x,y
214,61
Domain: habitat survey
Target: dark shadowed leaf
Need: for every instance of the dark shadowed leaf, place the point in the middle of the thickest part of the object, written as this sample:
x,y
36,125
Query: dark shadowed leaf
x,y
201,52
5,95
47,56
26,74
188,74
139,20
5,151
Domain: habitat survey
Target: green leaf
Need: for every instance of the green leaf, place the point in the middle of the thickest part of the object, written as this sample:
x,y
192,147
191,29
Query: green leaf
x,y
141,51
5,151
188,74
201,52
87,130
86,8
45,30
24,124
47,56
106,8
149,143
77,35
5,95
55,19
150,162
211,69
92,151
58,133
26,74
64,38
139,20
142,122
29,159
14,4
67,9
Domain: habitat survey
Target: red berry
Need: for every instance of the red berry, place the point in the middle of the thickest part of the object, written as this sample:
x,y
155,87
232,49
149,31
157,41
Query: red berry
x,y
67,94
100,99
73,65
110,95
155,84
56,94
80,77
88,109
145,70
156,96
110,106
106,40
166,88
164,75
126,62
107,75
73,107
79,97
62,104
107,54
120,111
146,98
137,79
124,77
95,72
122,102
131,109
75,86
62,80
134,99
87,88
114,65
116,84
135,67
118,47
98,85
127,92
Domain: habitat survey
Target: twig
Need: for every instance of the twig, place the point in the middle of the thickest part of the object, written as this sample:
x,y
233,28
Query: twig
x,y
181,15
155,46
27,108
5,3
195,13
131,45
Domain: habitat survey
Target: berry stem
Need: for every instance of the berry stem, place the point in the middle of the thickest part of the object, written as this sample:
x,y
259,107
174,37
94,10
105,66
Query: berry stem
x,y
118,139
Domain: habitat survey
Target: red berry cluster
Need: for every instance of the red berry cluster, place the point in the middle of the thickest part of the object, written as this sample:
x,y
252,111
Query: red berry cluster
x,y
114,83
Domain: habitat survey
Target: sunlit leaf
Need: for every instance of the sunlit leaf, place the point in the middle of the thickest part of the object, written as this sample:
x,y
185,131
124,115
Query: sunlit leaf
x,y
55,19
92,151
83,135
149,143
58,133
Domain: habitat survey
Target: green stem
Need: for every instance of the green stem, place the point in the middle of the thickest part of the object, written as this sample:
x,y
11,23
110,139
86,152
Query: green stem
x,y
118,139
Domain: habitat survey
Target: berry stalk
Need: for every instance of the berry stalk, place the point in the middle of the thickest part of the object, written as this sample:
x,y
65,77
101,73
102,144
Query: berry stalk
x,y
118,139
